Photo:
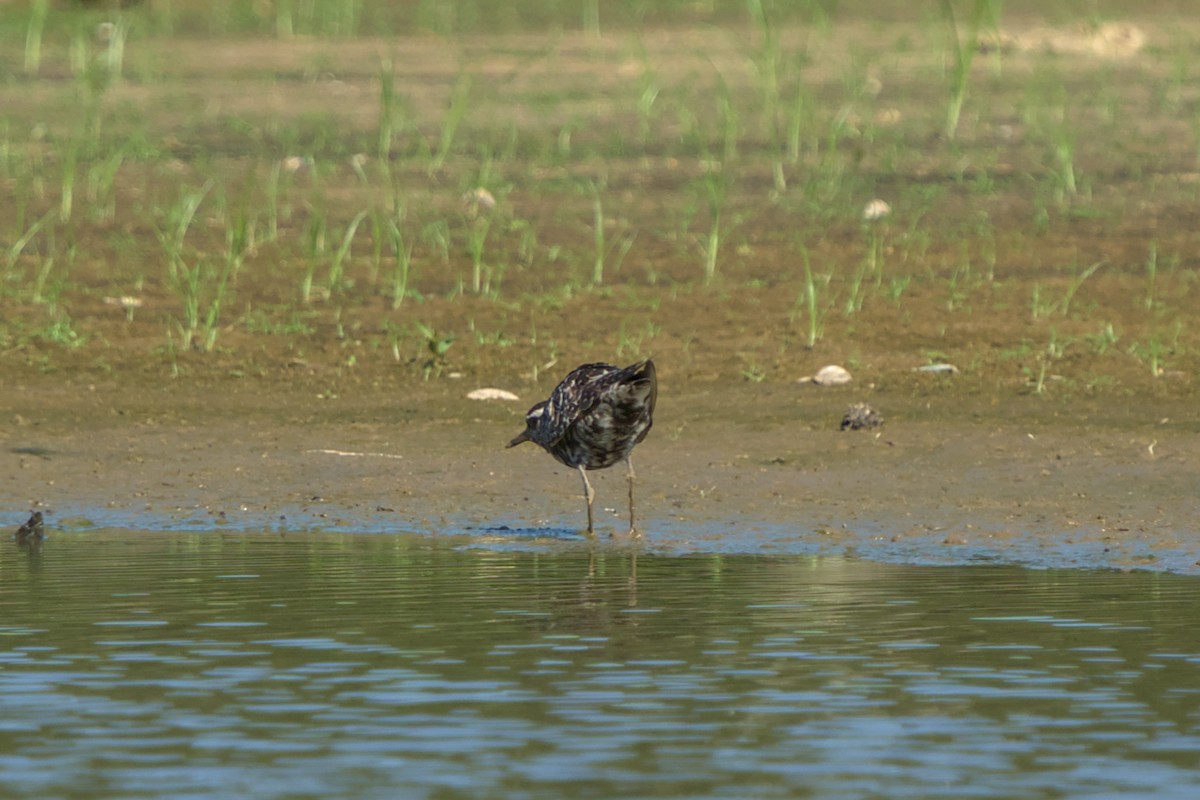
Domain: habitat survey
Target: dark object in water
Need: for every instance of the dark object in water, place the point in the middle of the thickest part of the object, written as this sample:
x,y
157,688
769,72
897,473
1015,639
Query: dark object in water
x,y
859,416
33,531
593,419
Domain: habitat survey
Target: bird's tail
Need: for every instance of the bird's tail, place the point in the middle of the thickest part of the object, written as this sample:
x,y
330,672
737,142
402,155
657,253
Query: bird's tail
x,y
643,377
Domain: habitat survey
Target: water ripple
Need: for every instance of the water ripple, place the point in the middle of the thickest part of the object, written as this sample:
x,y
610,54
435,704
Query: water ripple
x,y
370,666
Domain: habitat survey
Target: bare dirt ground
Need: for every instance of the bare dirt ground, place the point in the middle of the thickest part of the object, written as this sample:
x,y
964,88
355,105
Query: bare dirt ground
x,y
939,482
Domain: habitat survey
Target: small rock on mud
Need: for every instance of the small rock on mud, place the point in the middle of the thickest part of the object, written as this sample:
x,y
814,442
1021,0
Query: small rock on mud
x,y
937,369
859,416
832,375
476,199
876,210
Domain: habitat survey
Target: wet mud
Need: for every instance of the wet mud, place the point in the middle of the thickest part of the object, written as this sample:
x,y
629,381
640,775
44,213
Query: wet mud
x,y
746,468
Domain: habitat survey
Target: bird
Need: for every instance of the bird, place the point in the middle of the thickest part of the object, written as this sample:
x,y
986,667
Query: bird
x,y
593,419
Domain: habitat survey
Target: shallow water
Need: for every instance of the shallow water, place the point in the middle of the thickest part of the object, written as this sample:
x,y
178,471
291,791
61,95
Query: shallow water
x,y
216,665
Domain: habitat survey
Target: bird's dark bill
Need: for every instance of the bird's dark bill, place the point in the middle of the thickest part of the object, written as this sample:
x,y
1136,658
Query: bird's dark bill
x,y
523,436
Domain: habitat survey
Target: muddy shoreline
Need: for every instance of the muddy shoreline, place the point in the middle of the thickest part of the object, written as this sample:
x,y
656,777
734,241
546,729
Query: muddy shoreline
x,y
1024,480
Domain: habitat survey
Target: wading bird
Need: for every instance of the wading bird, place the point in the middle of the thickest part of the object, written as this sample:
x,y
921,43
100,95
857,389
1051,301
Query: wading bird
x,y
593,419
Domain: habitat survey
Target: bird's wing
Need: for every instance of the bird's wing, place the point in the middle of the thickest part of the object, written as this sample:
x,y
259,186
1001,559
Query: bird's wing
x,y
578,394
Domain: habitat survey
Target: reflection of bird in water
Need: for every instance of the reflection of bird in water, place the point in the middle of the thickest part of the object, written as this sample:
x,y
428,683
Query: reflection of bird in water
x,y
33,531
593,419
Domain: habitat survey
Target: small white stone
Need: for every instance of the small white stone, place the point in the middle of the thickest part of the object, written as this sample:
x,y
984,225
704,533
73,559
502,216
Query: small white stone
x,y
832,375
124,301
478,198
294,163
491,394
876,210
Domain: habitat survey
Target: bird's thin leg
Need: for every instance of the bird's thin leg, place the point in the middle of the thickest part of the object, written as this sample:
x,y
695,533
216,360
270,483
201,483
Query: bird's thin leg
x,y
589,495
633,531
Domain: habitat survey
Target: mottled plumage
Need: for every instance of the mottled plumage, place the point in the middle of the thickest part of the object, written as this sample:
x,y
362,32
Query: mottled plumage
x,y
593,419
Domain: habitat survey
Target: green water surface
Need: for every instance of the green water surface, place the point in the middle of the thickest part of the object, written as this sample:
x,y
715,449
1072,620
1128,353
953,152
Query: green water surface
x,y
255,665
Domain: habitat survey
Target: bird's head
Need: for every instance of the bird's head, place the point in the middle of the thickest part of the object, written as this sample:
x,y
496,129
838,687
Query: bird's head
x,y
531,422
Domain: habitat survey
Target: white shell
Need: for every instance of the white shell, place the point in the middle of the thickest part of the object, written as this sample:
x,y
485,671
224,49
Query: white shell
x,y
832,375
938,369
491,394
